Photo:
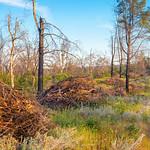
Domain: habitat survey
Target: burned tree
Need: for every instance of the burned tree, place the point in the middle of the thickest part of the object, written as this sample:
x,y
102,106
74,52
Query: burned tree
x,y
120,50
51,35
129,17
113,51
41,53
41,47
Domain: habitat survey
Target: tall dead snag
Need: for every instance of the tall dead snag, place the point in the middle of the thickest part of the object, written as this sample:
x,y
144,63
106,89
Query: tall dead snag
x,y
41,47
120,52
15,35
55,35
113,50
65,46
114,45
41,53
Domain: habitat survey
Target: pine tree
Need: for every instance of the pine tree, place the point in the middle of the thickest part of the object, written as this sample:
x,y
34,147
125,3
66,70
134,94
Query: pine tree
x,y
131,16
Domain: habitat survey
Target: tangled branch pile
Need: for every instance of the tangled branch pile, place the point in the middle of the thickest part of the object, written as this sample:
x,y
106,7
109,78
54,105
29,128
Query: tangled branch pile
x,y
19,116
71,92
118,86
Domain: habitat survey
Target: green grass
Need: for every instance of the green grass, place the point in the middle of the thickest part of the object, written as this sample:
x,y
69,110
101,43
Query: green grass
x,y
118,123
119,118
113,123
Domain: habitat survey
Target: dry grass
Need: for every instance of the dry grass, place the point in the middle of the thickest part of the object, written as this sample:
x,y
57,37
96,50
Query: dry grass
x,y
71,139
63,139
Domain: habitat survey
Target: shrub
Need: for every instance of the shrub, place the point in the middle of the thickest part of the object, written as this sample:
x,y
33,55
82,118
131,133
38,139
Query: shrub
x,y
24,81
91,123
133,130
120,107
5,77
61,76
46,81
131,116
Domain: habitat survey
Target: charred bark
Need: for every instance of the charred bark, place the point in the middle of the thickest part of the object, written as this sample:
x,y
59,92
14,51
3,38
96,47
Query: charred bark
x,y
41,54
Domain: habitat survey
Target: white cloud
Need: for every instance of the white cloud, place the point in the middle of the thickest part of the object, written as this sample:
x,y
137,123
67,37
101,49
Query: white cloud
x,y
17,3
26,4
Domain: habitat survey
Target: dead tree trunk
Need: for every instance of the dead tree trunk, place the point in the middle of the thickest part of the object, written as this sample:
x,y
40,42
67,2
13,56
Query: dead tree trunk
x,y
113,40
128,60
13,36
41,53
11,67
112,58
120,65
127,73
120,55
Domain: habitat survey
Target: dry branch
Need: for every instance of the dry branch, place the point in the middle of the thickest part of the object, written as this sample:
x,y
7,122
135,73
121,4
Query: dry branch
x,y
20,116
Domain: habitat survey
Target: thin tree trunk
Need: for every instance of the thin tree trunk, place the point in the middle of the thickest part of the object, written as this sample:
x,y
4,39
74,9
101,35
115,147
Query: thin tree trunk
x,y
128,61
120,65
113,55
11,72
33,81
120,70
41,47
112,67
127,73
120,52
12,67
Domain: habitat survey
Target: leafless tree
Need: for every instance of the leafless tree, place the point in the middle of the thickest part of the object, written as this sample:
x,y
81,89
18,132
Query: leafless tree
x,y
113,52
120,51
15,35
29,59
2,44
47,30
90,62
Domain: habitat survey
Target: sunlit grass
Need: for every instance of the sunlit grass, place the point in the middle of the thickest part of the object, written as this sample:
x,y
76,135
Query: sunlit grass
x,y
114,123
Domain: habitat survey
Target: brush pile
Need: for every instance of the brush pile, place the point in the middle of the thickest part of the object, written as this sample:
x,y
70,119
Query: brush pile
x,y
20,116
118,86
71,92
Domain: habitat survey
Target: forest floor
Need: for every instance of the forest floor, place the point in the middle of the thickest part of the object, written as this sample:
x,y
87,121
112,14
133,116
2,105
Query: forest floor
x,y
116,123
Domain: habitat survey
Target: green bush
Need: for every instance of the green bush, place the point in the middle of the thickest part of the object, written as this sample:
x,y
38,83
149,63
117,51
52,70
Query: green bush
x,y
146,117
121,106
25,82
5,77
61,76
91,123
46,80
133,130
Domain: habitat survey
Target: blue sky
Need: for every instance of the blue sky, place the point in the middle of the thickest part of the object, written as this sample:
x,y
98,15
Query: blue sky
x,y
87,21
